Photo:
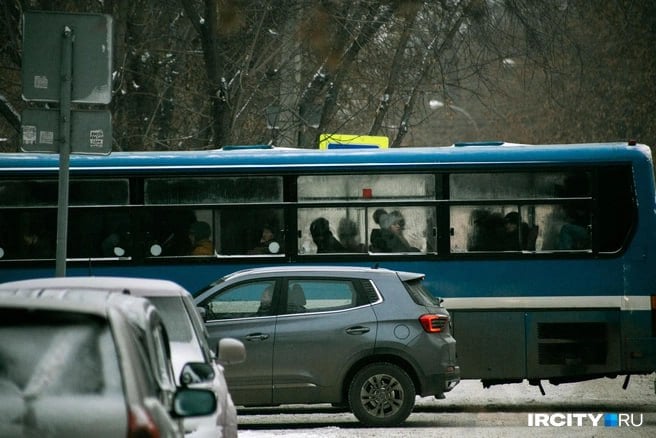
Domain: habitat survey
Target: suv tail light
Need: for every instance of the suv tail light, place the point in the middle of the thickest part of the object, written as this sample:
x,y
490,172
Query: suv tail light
x,y
140,424
433,323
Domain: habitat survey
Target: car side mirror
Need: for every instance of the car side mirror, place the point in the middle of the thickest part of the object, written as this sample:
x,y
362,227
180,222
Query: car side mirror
x,y
188,402
196,372
230,351
202,312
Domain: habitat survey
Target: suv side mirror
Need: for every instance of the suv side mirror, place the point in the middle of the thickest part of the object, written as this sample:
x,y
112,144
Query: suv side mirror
x,y
230,351
196,372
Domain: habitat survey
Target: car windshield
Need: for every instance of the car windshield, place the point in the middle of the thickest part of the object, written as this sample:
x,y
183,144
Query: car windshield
x,y
174,314
213,284
56,354
420,294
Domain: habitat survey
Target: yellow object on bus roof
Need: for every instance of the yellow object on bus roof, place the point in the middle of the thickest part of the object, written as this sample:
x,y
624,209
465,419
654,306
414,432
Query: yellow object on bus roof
x,y
352,141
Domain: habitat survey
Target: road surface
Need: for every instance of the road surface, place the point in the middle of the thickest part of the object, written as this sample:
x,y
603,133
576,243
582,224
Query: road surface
x,y
583,409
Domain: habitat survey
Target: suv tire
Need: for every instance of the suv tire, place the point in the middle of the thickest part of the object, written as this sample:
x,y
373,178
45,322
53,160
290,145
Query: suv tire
x,y
381,394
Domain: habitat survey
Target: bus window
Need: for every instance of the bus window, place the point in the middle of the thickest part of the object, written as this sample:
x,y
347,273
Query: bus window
x,y
402,229
99,233
542,211
30,193
485,186
331,230
359,229
617,207
28,234
95,192
179,232
353,187
575,214
493,228
207,190
349,229
250,231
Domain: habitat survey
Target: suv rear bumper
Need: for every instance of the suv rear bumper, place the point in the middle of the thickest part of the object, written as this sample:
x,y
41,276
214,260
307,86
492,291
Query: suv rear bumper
x,y
438,384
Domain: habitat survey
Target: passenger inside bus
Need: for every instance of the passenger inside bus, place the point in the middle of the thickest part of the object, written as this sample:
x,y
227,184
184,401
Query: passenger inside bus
x,y
268,243
172,230
118,243
517,234
492,231
375,243
199,236
347,232
391,234
33,243
323,237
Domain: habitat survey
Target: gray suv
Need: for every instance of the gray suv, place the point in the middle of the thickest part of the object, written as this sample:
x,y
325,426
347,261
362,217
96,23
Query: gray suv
x,y
369,339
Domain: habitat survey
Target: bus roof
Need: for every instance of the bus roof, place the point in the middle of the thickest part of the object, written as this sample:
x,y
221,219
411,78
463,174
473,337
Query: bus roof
x,y
265,160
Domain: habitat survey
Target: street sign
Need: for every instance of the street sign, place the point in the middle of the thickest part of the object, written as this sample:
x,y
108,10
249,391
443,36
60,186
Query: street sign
x,y
92,57
67,58
91,131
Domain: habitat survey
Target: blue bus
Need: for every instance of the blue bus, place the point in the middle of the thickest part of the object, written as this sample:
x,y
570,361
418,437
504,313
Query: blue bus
x,y
542,253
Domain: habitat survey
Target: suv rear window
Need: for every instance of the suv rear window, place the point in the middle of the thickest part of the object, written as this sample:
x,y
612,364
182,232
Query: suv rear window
x,y
59,354
420,294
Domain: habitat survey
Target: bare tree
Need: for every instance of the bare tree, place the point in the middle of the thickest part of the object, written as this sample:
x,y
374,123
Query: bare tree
x,y
193,74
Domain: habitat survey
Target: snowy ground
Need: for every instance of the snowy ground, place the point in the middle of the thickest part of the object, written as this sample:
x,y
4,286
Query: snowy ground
x,y
471,410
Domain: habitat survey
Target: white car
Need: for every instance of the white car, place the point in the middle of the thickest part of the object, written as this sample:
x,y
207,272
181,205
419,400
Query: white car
x,y
189,343
78,362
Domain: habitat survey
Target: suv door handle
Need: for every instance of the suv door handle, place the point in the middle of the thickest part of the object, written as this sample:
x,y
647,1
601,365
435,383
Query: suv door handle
x,y
257,337
358,330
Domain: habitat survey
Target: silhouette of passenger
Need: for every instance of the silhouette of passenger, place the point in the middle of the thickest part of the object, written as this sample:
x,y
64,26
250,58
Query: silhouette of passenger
x,y
323,237
347,231
199,235
392,239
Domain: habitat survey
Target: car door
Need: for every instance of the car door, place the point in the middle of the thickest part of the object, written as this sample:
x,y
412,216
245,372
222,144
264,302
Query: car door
x,y
325,324
245,311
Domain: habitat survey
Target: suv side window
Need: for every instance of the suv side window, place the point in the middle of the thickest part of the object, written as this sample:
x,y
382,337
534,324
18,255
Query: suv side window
x,y
160,356
320,295
243,300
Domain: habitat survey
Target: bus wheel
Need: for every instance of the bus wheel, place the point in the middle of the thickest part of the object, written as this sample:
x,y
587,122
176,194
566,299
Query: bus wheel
x,y
381,394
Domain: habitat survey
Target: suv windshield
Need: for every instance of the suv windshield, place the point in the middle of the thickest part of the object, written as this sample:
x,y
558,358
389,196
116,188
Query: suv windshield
x,y
420,294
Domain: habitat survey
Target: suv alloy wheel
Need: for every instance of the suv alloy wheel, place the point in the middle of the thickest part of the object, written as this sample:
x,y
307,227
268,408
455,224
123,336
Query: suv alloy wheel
x,y
381,394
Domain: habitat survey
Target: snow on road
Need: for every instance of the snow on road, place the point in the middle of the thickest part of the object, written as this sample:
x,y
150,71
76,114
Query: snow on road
x,y
471,410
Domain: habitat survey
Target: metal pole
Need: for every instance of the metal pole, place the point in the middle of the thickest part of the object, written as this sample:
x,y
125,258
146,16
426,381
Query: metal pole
x,y
64,148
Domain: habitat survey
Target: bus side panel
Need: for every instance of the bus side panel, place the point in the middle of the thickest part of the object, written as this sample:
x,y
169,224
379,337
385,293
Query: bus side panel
x,y
571,343
485,354
639,348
